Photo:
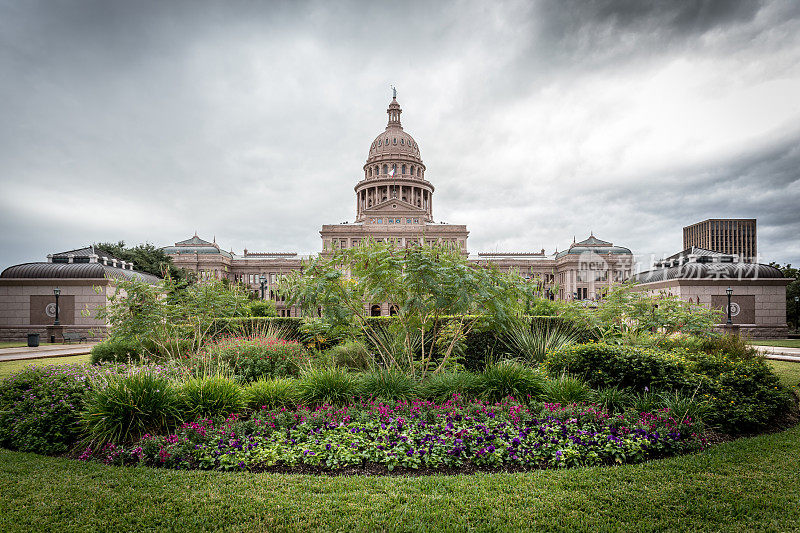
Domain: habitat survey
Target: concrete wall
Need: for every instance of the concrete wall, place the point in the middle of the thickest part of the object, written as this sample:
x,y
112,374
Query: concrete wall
x,y
15,306
769,295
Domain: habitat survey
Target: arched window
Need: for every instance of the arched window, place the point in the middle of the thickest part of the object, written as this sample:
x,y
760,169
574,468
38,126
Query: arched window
x,y
412,170
394,141
393,310
404,169
401,141
376,170
370,172
375,310
385,169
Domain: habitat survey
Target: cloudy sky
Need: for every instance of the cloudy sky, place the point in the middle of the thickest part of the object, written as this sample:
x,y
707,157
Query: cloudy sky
x,y
538,121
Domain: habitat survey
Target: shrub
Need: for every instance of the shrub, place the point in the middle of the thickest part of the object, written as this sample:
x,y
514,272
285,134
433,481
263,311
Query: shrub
x,y
606,365
533,339
252,358
332,385
129,406
273,393
263,308
386,384
351,354
566,389
115,350
612,399
683,407
510,378
742,393
39,406
441,387
645,401
210,396
733,346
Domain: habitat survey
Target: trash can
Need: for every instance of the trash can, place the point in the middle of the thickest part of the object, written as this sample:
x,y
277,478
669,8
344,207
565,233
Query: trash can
x,y
33,340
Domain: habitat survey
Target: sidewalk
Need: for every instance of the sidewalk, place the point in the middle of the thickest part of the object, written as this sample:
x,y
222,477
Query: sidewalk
x,y
52,350
780,353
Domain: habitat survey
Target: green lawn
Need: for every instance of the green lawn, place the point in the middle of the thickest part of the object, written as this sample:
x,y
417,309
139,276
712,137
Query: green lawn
x,y
788,371
783,343
21,344
9,367
749,484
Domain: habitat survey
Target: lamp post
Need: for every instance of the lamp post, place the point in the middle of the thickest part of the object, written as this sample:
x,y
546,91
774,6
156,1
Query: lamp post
x,y
57,292
729,292
263,280
797,313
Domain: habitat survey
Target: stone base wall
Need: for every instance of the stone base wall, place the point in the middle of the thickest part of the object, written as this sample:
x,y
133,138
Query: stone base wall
x,y
20,333
756,332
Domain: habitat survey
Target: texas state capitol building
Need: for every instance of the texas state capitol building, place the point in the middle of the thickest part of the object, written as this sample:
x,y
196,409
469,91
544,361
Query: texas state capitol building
x,y
394,203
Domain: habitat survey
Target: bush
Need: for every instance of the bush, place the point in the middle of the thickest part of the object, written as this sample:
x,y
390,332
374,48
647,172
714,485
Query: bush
x,y
742,393
683,407
386,385
210,397
327,386
129,406
566,389
351,354
263,308
271,394
612,399
39,408
252,358
510,378
606,365
252,326
115,350
441,387
533,339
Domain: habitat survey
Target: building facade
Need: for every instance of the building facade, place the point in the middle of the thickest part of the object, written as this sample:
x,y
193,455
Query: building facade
x,y
731,236
85,278
394,203
700,276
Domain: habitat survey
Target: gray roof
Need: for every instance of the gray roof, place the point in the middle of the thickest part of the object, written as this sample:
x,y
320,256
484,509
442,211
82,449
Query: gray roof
x,y
73,271
709,271
195,245
593,245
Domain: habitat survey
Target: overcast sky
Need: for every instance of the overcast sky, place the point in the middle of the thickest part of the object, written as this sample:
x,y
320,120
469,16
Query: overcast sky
x,y
537,121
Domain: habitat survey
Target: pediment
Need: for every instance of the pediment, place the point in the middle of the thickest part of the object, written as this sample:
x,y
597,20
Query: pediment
x,y
394,206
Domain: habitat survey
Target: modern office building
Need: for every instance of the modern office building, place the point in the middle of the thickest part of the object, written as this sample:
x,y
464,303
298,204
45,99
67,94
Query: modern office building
x,y
733,236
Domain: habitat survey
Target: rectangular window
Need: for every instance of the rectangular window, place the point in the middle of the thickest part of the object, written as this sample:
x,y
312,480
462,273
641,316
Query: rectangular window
x,y
380,221
408,221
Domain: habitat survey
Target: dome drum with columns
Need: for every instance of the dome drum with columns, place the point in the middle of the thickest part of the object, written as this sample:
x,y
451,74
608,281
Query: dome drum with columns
x,y
394,174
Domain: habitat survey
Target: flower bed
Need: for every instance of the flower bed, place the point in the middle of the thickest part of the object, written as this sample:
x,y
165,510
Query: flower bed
x,y
251,358
40,406
456,434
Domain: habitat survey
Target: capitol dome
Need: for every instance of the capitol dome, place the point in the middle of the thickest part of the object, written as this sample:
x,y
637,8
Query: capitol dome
x,y
394,149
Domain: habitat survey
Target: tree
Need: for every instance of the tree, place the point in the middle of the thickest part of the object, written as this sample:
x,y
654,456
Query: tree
x,y
792,291
164,319
147,258
423,284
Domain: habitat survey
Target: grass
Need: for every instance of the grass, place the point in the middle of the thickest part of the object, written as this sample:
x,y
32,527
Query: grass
x,y
788,371
9,367
745,485
783,343
749,484
22,344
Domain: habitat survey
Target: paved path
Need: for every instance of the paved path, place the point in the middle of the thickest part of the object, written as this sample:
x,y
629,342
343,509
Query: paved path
x,y
51,350
780,353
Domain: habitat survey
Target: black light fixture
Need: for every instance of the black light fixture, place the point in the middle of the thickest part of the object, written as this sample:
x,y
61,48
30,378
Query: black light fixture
x,y
729,292
797,313
263,280
57,292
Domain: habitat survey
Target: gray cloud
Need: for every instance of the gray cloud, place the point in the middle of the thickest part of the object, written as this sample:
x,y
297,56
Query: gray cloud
x,y
146,121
